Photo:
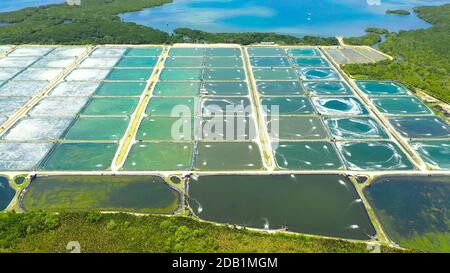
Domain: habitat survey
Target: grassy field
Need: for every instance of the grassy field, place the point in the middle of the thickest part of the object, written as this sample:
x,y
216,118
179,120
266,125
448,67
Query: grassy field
x,y
42,232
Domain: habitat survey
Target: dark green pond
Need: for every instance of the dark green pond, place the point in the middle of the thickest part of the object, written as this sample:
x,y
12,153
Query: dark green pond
x,y
6,193
414,211
315,204
146,194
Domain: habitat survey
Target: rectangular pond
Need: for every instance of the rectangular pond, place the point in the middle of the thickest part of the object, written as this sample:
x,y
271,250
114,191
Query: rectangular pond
x,y
315,204
421,127
413,210
378,88
177,89
306,155
98,128
80,157
436,153
161,156
166,129
374,155
287,105
403,105
227,156
110,106
281,88
354,128
143,194
112,89
330,88
295,128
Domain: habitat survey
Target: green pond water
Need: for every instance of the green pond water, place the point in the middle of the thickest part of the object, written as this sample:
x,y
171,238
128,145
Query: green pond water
x,y
160,106
262,74
226,106
110,106
144,194
306,155
226,88
227,128
137,62
354,128
287,105
315,204
181,74
227,156
382,88
310,52
374,155
143,52
177,89
224,74
129,74
413,210
187,52
163,156
435,153
311,74
121,89
80,157
166,129
223,62
284,88
100,128
266,52
7,193
327,88
311,62
184,62
295,128
421,127
223,52
270,62
403,105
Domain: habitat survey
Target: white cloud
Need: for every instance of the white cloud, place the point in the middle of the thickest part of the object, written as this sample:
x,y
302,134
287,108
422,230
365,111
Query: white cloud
x,y
374,2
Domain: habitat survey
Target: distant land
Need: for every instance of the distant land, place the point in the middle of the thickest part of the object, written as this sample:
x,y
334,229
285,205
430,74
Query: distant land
x,y
398,12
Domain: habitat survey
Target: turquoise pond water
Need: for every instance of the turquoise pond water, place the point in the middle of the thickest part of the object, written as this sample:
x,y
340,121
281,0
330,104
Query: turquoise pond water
x,y
297,17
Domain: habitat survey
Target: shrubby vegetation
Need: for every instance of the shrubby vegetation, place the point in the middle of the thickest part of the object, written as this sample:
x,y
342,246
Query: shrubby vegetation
x,y
368,39
376,30
43,232
97,22
372,37
421,56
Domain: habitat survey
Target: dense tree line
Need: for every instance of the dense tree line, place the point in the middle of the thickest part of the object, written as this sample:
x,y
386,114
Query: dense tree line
x,y
246,38
368,39
43,232
421,56
97,22
372,37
